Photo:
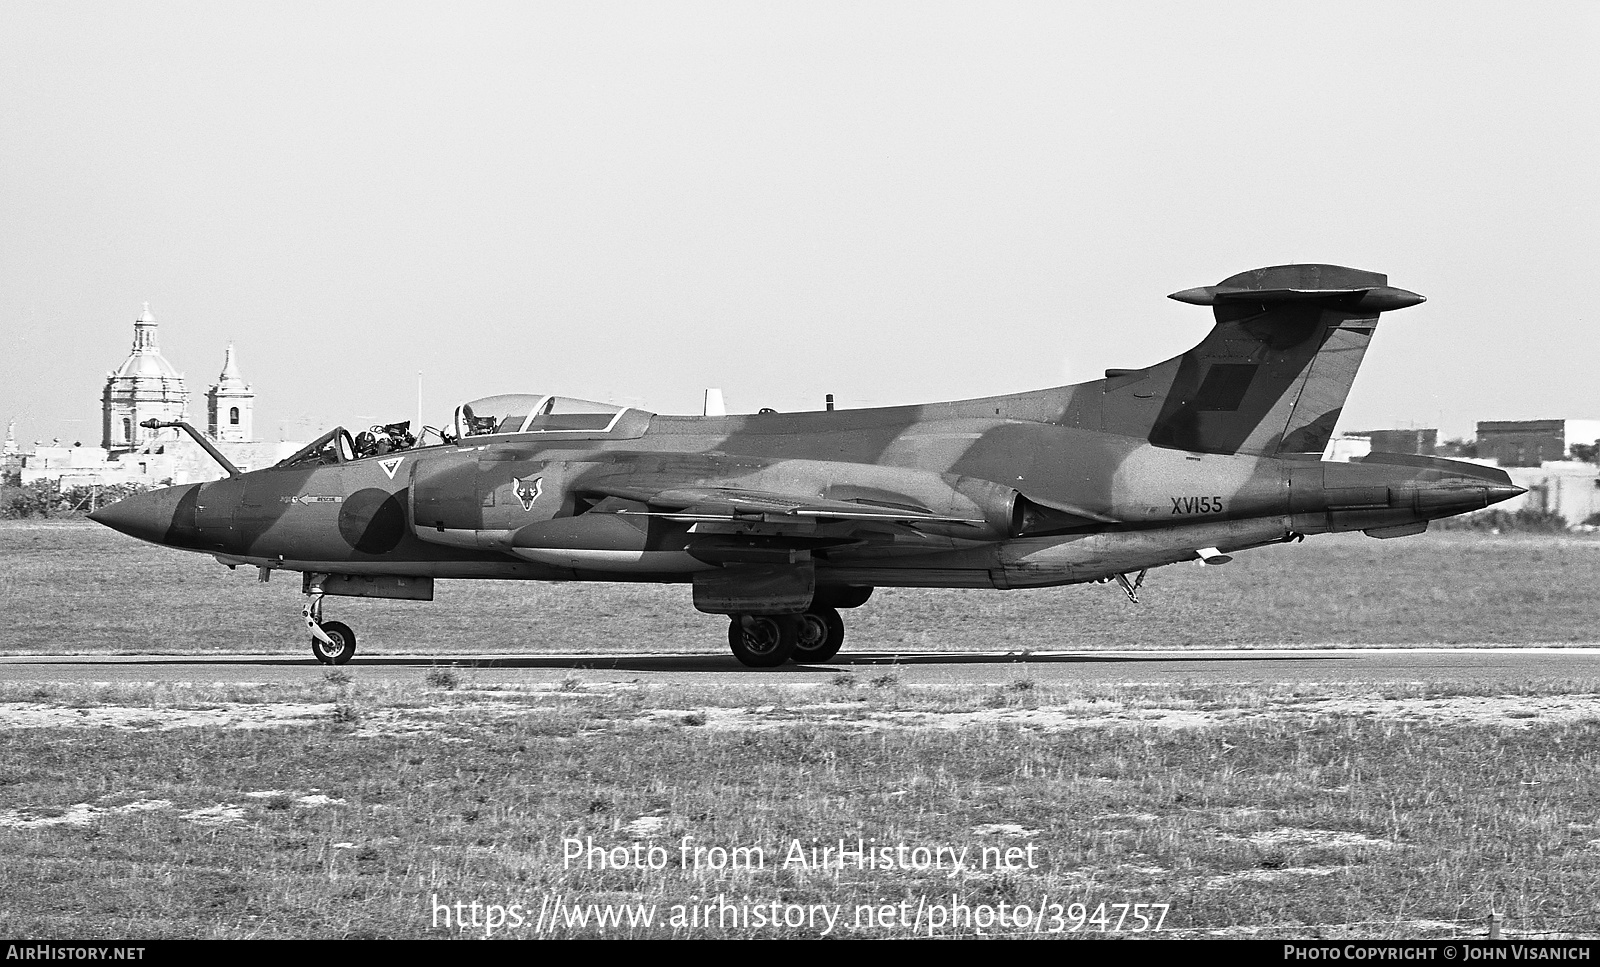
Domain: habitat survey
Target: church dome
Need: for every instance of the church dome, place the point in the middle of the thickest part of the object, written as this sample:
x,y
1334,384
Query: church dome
x,y
144,387
146,365
145,360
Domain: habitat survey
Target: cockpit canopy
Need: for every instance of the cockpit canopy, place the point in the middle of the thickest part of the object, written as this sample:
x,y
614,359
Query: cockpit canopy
x,y
490,416
335,446
533,413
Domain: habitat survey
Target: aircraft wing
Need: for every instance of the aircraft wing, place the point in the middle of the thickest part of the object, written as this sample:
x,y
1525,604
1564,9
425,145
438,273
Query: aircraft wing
x,y
723,504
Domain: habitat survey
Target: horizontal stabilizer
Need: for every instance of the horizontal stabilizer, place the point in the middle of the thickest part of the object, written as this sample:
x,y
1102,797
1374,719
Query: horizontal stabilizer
x,y
1352,288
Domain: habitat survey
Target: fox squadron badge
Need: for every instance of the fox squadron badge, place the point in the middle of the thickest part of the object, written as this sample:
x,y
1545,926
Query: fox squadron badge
x,y
528,490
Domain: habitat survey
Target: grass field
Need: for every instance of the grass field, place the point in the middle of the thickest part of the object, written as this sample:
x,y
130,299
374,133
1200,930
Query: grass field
x,y
333,809
76,587
338,807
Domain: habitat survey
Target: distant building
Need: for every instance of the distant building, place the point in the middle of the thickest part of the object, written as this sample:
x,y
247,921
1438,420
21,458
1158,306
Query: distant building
x,y
1530,443
10,456
144,387
147,387
1457,449
1346,447
1566,487
230,405
80,466
1420,443
1356,444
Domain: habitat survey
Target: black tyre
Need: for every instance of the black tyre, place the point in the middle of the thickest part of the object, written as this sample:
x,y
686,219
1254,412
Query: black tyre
x,y
343,647
821,635
766,641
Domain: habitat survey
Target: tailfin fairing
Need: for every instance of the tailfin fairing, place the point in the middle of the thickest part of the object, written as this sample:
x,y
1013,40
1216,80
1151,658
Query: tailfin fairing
x,y
1273,374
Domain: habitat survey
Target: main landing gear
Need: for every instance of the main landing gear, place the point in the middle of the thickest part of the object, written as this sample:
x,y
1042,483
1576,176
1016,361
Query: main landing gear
x,y
332,642
769,640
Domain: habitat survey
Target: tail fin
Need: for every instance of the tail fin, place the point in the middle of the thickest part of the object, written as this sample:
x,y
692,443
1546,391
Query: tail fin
x,y
1272,375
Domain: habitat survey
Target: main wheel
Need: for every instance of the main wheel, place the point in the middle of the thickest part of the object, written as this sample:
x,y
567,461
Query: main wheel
x,y
766,641
343,647
821,635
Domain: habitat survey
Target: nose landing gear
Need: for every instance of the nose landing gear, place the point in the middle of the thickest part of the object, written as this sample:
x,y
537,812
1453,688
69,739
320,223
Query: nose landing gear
x,y
332,642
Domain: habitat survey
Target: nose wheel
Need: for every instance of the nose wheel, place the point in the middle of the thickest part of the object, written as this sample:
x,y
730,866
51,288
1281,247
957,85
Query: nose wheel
x,y
340,646
332,642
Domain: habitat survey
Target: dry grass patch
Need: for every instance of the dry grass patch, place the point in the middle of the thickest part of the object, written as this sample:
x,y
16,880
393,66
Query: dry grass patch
x,y
1260,810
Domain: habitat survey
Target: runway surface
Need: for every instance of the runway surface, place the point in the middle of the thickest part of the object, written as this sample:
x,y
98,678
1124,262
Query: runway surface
x,y
1429,664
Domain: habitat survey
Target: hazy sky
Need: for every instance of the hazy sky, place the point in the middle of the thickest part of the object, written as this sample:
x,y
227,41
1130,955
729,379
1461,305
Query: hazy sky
x,y
892,202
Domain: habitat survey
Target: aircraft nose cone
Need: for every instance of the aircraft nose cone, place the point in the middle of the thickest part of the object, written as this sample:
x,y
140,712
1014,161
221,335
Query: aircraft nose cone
x,y
1501,492
148,517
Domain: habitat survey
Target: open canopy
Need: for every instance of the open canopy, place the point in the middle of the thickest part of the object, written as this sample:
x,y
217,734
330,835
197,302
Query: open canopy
x,y
533,413
335,446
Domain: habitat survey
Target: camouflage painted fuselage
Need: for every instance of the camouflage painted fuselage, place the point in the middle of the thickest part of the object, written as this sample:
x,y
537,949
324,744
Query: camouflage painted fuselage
x,y
1216,449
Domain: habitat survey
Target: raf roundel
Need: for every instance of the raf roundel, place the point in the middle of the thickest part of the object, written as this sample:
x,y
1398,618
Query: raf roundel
x,y
373,521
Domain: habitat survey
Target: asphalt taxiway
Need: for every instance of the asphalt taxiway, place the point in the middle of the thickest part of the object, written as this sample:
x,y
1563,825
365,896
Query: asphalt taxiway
x,y
1443,665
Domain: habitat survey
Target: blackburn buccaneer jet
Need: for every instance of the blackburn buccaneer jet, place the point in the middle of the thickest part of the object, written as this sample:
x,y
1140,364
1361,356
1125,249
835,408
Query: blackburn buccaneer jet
x,y
780,520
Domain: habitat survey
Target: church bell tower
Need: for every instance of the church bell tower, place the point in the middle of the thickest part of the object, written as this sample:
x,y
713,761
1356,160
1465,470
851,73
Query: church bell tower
x,y
230,405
